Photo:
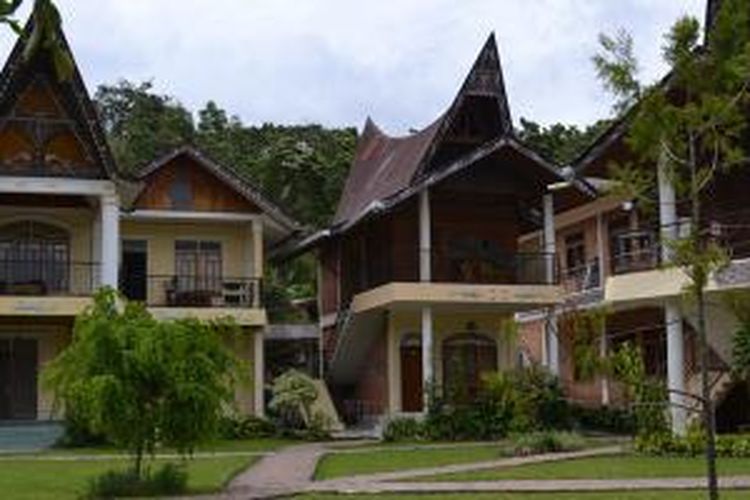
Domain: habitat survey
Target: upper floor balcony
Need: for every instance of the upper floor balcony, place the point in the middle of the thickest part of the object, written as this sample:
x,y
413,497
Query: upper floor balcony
x,y
193,291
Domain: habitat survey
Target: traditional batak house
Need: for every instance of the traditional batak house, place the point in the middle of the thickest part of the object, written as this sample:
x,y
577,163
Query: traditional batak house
x,y
421,271
187,236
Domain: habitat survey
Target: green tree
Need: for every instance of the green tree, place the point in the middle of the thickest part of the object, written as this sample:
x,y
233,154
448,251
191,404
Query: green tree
x,y
141,124
559,143
142,382
692,124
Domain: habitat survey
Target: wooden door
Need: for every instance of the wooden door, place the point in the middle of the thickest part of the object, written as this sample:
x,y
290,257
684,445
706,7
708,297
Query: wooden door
x,y
411,376
18,379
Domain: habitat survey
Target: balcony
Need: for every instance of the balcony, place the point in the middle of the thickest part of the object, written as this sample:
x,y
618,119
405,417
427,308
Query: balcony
x,y
48,278
182,291
635,251
581,279
468,280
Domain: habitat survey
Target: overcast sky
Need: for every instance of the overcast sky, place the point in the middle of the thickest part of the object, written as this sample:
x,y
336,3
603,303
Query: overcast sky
x,y
337,61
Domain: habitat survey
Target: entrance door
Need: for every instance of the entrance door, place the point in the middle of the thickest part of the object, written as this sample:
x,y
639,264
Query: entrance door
x,y
135,269
411,374
18,379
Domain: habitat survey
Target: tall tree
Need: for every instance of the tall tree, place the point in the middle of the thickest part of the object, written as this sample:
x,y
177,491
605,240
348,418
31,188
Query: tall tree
x,y
558,142
692,125
141,124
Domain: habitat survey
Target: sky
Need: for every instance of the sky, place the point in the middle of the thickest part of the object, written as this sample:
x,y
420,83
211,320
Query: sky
x,y
336,62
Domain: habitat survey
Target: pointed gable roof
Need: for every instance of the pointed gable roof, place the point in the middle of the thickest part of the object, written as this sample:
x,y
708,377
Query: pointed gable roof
x,y
227,176
384,165
18,73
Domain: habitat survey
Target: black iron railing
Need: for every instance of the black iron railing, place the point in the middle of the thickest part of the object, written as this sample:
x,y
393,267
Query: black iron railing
x,y
582,278
194,291
495,268
46,277
635,251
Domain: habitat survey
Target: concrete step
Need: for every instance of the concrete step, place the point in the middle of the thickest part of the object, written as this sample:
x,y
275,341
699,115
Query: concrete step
x,y
28,436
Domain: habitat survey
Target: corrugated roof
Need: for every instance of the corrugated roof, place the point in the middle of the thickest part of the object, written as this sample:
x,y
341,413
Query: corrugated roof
x,y
384,165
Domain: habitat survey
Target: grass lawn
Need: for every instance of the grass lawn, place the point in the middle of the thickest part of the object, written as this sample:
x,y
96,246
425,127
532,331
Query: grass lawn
x,y
612,467
48,480
645,495
254,445
384,460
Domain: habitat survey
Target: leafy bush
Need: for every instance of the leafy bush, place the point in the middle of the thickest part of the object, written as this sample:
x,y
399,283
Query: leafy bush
x,y
692,444
241,427
547,442
403,429
602,419
520,401
77,433
291,407
170,479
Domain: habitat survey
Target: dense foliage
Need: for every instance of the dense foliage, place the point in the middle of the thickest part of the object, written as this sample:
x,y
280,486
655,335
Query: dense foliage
x,y
141,382
560,143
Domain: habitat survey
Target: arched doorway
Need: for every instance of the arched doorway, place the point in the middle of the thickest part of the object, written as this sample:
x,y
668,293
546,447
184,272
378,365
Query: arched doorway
x,y
466,357
411,373
34,258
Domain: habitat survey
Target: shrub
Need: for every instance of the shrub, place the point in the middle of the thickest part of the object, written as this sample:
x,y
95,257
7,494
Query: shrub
x,y
692,444
170,479
602,419
546,442
240,427
540,402
403,429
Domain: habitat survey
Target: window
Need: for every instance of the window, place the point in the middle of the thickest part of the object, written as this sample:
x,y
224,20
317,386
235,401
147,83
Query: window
x,y
575,251
34,258
466,357
180,192
198,265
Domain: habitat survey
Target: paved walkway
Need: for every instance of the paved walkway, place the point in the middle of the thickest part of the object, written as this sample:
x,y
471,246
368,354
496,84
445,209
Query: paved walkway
x,y
291,470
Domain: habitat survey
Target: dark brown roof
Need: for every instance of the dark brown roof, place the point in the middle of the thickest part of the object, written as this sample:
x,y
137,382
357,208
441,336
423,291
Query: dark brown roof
x,y
385,165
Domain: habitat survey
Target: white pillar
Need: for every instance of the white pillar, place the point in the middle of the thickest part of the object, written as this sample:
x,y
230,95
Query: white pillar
x,y
258,257
110,240
604,379
553,348
427,365
672,316
425,276
259,372
425,238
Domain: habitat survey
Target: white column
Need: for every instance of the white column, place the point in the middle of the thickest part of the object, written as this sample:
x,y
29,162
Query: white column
x,y
425,276
604,378
425,237
259,371
110,239
672,316
428,378
553,348
258,257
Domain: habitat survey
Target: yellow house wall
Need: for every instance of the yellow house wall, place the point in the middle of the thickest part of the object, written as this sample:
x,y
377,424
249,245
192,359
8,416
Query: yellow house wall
x,y
236,243
243,347
51,340
401,323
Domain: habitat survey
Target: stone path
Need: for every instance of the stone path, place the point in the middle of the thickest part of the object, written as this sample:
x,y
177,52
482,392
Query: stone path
x,y
290,471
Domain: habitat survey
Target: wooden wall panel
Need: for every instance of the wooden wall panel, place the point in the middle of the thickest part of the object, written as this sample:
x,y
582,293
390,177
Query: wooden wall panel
x,y
183,184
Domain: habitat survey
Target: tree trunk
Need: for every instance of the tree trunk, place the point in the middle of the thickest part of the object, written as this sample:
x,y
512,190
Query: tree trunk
x,y
699,277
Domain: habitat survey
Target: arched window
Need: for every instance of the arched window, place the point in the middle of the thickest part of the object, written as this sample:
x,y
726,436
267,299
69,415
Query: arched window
x,y
466,357
34,258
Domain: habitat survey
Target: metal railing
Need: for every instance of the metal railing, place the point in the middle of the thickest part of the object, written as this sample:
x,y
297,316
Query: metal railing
x,y
46,277
495,268
636,251
582,278
194,291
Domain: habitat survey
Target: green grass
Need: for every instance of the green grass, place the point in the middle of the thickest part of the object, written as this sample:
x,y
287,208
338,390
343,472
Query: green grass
x,y
612,467
644,495
250,446
367,462
53,480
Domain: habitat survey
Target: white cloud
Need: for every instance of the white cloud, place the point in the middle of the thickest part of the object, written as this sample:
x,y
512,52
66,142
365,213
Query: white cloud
x,y
336,61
